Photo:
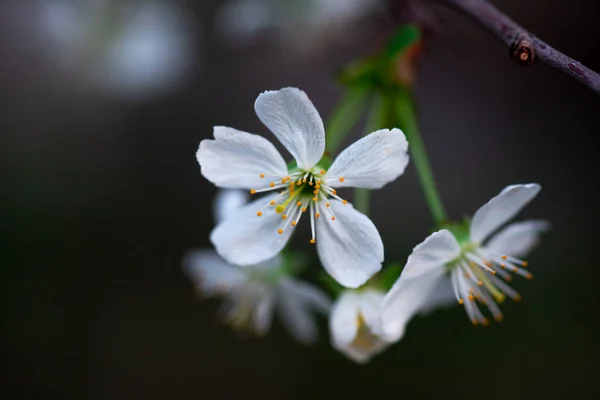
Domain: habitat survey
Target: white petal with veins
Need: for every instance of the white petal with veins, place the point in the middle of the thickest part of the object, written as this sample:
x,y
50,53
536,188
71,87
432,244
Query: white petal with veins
x,y
518,239
500,209
371,162
295,121
350,247
236,159
245,239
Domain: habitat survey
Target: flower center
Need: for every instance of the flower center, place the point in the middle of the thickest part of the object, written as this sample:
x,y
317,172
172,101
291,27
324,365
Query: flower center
x,y
475,279
300,191
364,340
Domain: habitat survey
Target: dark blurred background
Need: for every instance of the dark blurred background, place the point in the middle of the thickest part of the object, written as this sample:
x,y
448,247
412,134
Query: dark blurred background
x,y
103,104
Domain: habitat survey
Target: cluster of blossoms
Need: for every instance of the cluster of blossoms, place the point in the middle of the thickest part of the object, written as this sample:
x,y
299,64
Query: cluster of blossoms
x,y
464,263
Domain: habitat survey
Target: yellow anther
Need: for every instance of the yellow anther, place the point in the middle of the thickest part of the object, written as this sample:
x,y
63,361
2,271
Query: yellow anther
x,y
499,318
485,322
327,205
317,215
502,266
298,203
280,231
272,202
333,191
461,301
515,269
252,191
471,297
315,199
524,263
279,209
298,183
493,272
284,216
333,218
504,257
529,276
272,184
467,275
475,322
259,213
517,297
310,183
262,175
312,241
344,201
341,179
304,180
283,180
508,278
479,283
293,223
316,191
322,172
303,209
487,264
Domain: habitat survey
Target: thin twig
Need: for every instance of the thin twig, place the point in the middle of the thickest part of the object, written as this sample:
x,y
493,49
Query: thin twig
x,y
524,47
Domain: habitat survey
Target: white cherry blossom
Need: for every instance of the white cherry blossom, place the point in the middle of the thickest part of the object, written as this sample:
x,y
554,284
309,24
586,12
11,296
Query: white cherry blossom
x,y
352,322
254,293
348,243
464,266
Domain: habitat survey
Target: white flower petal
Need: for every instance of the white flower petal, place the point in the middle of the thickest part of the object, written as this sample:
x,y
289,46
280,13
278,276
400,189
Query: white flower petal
x,y
372,161
438,249
211,273
263,314
228,201
247,239
370,305
235,159
441,295
296,312
343,320
363,355
413,291
350,247
351,324
518,239
295,121
405,299
309,294
500,209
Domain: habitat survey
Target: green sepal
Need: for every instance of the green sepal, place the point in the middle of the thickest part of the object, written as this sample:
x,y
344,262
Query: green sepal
x,y
363,73
401,40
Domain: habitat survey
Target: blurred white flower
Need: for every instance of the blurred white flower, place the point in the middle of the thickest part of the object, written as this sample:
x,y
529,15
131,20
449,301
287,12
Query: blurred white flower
x,y
348,243
458,266
352,324
134,49
253,293
302,23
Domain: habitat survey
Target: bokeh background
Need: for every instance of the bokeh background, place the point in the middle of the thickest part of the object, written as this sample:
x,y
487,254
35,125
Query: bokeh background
x,y
103,104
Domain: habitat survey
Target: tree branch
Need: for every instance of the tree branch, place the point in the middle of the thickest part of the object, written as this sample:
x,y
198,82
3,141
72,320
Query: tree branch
x,y
524,47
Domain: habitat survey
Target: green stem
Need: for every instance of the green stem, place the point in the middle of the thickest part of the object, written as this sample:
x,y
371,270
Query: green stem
x,y
375,120
406,114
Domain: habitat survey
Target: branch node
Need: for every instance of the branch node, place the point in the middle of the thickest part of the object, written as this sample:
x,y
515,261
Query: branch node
x,y
522,51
